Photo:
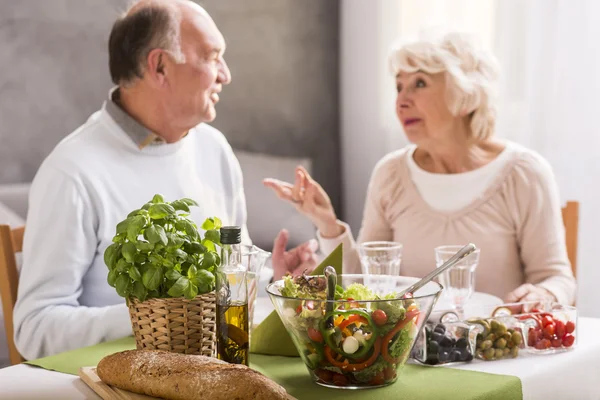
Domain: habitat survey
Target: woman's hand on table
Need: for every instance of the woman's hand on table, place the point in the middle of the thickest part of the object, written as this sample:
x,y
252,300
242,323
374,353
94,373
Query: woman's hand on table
x,y
529,292
299,260
310,199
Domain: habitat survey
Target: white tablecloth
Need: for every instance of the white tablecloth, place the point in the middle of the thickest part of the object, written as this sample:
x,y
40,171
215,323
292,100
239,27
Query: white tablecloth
x,y
570,375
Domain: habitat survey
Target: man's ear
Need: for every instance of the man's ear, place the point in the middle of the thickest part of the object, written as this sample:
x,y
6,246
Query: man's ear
x,y
156,63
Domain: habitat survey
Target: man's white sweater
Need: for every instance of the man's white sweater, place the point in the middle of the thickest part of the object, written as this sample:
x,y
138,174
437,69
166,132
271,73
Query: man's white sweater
x,y
89,183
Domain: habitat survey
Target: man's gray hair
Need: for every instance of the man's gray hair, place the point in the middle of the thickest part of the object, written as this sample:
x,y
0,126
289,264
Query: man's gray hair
x,y
136,34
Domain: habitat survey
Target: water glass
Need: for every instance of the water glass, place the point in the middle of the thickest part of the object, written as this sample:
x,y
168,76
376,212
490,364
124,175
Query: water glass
x,y
253,259
459,280
380,259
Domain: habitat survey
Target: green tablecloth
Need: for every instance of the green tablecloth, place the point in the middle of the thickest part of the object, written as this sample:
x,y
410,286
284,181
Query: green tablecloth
x,y
415,382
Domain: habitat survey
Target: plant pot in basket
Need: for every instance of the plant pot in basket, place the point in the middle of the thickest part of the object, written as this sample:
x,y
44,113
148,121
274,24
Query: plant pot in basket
x,y
164,268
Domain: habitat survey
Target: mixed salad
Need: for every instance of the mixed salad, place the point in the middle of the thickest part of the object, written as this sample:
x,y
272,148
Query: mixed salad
x,y
360,342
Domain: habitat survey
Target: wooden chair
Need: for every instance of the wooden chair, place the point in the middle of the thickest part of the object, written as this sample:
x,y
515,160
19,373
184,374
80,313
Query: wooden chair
x,y
570,215
11,242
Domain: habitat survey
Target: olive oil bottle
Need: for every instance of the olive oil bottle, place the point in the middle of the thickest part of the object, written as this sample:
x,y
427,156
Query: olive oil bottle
x,y
233,339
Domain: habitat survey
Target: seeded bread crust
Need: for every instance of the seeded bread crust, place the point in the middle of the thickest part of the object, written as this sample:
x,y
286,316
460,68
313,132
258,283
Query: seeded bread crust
x,y
185,377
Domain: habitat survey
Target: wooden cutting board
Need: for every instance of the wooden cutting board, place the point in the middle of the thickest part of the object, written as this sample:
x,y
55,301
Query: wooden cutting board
x,y
107,392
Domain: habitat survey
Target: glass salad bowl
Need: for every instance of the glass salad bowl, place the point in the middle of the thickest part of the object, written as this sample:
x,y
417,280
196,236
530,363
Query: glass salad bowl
x,y
361,339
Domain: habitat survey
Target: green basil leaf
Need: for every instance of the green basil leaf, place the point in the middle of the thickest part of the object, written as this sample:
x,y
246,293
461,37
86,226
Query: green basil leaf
x,y
173,275
194,248
147,206
180,205
189,201
118,238
112,277
133,213
123,225
123,285
134,273
191,230
218,223
155,259
213,235
174,240
208,224
145,247
135,227
129,251
179,287
156,234
204,280
191,291
158,199
122,265
192,272
111,255
180,254
208,260
209,245
152,278
140,291
159,211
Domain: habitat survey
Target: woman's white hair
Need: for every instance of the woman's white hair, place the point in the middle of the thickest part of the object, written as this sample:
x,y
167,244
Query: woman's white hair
x,y
471,76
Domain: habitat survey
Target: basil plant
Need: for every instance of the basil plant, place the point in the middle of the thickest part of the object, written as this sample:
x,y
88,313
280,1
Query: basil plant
x,y
158,252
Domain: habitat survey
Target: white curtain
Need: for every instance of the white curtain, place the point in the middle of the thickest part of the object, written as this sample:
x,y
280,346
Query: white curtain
x,y
550,61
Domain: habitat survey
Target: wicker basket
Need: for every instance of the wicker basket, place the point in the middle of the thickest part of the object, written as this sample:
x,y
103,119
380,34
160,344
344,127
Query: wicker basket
x,y
177,325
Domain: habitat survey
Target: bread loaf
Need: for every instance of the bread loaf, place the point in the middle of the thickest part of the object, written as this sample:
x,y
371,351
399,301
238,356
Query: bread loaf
x,y
179,376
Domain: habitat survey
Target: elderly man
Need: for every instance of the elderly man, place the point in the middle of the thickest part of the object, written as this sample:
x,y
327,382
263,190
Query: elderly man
x,y
149,137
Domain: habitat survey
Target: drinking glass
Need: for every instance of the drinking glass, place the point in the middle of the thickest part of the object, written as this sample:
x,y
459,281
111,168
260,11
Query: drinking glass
x,y
459,280
379,260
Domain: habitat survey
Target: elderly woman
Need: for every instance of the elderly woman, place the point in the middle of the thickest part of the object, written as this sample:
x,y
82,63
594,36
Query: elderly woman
x,y
455,183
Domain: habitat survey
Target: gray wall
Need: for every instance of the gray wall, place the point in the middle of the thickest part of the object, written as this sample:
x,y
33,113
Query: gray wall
x,y
283,99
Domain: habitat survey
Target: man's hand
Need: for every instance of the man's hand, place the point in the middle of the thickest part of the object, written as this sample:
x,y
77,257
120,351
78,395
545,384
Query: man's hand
x,y
529,292
296,261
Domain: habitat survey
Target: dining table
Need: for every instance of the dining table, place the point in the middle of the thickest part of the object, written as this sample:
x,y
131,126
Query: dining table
x,y
571,374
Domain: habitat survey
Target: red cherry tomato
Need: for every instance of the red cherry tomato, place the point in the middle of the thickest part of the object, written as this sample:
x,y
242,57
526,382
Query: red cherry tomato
x,y
379,317
299,309
570,327
549,331
543,344
568,340
324,375
389,373
315,335
559,329
377,379
533,337
547,320
340,380
556,343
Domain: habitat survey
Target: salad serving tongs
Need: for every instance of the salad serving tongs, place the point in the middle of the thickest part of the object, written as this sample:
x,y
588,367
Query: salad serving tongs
x,y
462,253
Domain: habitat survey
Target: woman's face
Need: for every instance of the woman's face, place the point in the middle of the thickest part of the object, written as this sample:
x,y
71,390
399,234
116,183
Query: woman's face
x,y
422,109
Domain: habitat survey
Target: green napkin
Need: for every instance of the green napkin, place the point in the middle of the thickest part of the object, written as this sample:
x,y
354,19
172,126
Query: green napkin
x,y
270,336
415,382
69,362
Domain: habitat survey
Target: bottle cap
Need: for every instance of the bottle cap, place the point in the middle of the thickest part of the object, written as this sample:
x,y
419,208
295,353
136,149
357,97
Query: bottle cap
x,y
231,235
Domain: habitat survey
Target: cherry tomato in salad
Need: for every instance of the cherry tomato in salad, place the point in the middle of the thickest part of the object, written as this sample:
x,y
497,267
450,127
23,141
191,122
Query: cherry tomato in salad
x,y
324,375
547,320
315,335
377,379
568,340
549,331
389,373
299,309
559,329
379,317
340,380
570,327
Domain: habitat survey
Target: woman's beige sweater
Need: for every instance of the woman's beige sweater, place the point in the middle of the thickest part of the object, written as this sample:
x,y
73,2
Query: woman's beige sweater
x,y
516,222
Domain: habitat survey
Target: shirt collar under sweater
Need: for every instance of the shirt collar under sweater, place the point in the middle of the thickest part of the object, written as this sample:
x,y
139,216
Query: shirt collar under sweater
x,y
137,132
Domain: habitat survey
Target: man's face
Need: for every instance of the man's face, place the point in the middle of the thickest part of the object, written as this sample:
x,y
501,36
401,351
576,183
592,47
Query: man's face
x,y
194,86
